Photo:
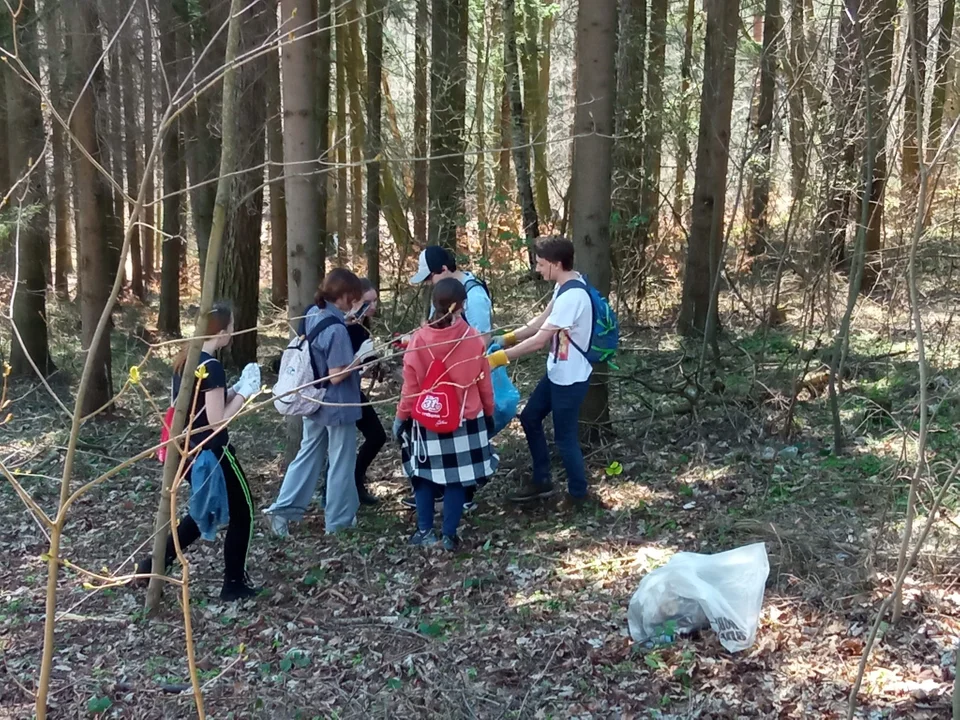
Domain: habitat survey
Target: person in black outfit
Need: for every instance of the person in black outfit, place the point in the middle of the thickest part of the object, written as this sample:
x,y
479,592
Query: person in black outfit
x,y
216,402
374,436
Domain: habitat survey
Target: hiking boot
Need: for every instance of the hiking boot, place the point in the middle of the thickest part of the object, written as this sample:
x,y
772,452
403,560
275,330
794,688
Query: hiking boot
x,y
367,498
234,590
451,543
469,507
145,567
422,538
590,501
531,491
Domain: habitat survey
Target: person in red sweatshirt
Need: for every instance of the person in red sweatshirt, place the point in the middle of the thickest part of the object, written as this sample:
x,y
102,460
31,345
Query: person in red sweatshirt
x,y
445,416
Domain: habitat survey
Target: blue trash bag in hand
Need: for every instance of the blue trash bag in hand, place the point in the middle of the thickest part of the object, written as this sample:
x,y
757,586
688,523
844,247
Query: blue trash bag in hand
x,y
506,397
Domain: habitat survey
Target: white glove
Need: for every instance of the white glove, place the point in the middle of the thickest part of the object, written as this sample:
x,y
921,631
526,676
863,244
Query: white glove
x,y
249,383
366,351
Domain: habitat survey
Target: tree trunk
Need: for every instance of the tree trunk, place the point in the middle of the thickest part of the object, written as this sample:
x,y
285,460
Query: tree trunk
x,y
26,138
131,142
201,146
535,116
794,67
299,153
92,198
940,82
4,134
448,100
300,162
521,150
375,10
325,18
278,203
916,50
113,147
593,169
356,76
63,262
683,141
772,27
543,111
148,238
698,311
480,112
879,46
239,278
653,135
168,319
420,125
343,196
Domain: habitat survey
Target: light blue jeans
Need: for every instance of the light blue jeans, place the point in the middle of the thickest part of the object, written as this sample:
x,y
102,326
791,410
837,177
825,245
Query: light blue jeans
x,y
337,445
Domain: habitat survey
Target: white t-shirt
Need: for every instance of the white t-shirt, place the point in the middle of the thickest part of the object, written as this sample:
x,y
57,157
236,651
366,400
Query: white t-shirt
x,y
573,312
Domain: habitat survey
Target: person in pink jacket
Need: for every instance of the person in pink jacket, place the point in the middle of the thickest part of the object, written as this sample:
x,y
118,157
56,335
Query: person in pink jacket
x,y
445,415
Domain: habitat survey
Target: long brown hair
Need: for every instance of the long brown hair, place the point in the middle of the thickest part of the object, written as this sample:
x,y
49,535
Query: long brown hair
x,y
449,295
337,283
218,320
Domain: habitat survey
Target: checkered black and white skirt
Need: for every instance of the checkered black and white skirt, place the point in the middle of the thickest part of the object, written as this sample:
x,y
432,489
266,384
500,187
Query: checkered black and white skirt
x,y
463,457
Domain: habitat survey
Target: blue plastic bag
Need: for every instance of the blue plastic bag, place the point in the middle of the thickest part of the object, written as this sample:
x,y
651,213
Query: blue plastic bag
x,y
506,397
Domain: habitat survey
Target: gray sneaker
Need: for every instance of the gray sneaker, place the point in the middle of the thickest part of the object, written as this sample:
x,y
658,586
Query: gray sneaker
x,y
279,526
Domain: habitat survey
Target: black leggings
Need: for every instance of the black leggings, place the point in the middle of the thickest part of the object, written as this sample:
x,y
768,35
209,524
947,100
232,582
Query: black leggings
x,y
374,438
240,529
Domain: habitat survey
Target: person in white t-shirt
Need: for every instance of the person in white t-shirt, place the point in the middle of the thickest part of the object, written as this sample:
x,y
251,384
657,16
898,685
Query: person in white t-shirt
x,y
566,325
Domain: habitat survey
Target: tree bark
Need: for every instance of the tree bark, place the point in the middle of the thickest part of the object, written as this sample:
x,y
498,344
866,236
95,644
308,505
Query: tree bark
x,y
916,82
300,161
940,83
375,11
26,138
325,19
278,203
131,143
448,100
593,165
239,277
521,150
113,146
683,141
699,316
148,236
63,262
536,118
420,125
653,131
343,196
355,78
201,145
772,28
168,319
879,46
92,199
794,67
479,117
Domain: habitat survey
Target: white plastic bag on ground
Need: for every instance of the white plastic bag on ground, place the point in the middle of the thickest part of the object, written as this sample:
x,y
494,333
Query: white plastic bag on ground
x,y
692,590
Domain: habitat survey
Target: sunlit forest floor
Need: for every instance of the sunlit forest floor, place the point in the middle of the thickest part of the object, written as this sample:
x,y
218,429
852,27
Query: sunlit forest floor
x,y
529,619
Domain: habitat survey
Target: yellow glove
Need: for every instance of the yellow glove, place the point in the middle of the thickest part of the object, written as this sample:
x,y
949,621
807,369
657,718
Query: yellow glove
x,y
498,359
509,339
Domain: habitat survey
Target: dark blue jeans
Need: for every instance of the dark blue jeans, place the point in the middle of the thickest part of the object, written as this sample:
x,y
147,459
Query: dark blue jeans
x,y
564,402
454,496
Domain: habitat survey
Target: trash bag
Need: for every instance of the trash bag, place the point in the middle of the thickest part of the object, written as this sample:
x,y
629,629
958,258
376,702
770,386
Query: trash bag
x,y
506,397
692,591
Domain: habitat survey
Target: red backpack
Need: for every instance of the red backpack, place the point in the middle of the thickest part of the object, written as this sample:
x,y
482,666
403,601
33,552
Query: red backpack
x,y
439,406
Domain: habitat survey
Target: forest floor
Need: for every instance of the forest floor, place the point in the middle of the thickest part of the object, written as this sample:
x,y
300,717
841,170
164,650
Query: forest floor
x,y
528,620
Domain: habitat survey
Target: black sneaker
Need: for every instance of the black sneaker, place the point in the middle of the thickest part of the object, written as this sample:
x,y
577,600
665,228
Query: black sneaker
x,y
530,491
451,543
422,538
367,498
234,590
